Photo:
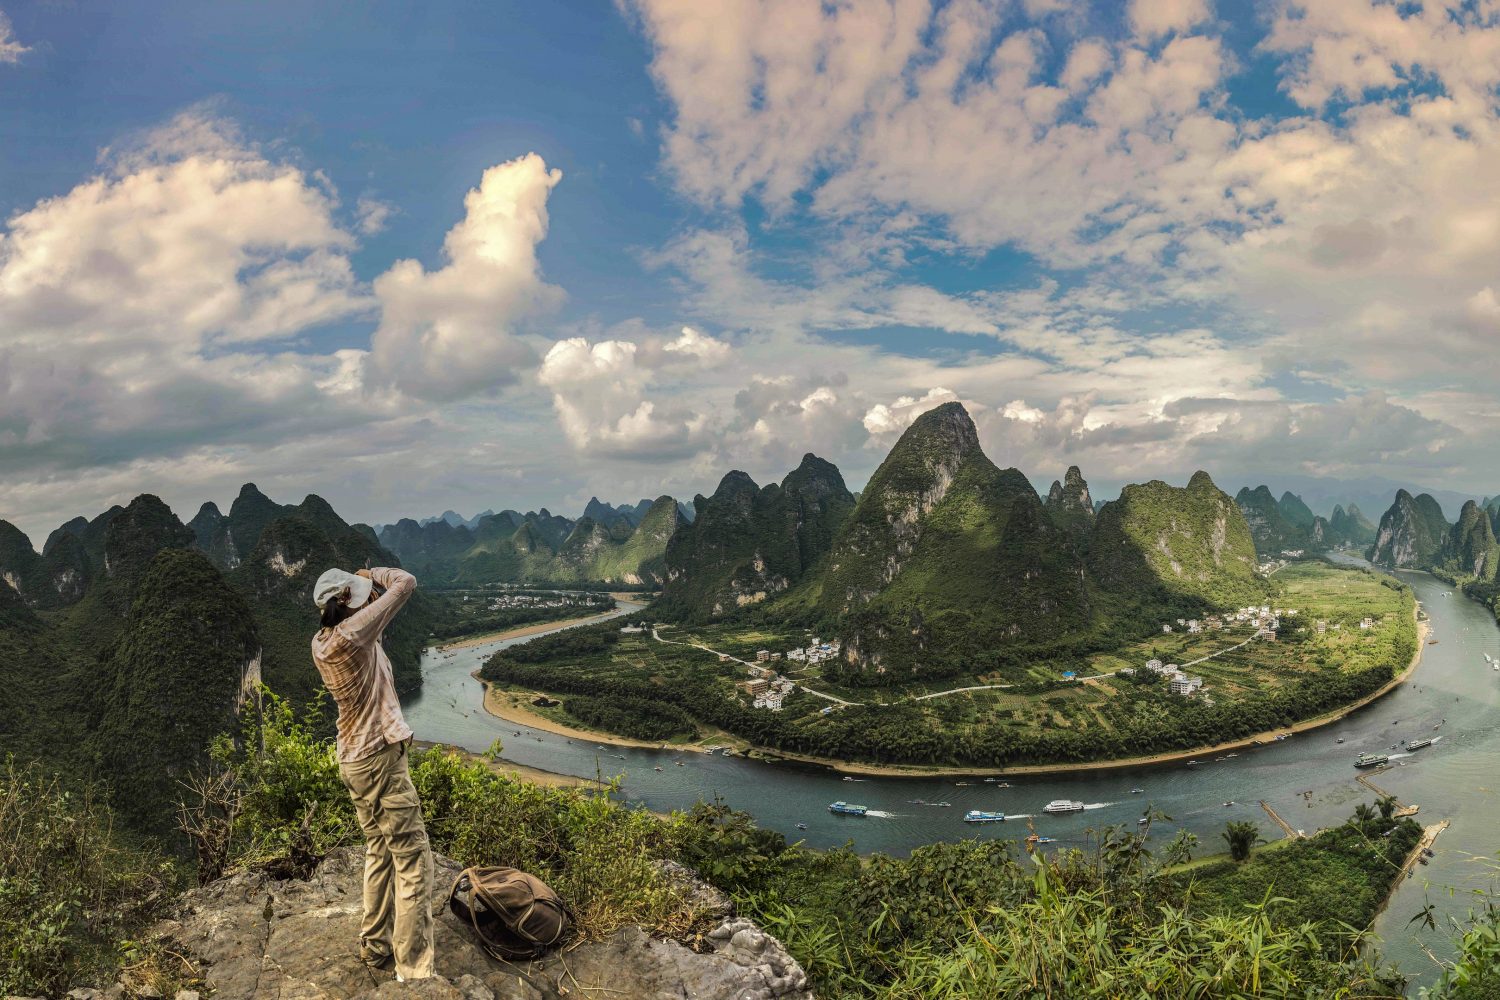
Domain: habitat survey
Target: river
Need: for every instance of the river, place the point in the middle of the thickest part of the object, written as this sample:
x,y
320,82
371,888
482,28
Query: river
x,y
1456,778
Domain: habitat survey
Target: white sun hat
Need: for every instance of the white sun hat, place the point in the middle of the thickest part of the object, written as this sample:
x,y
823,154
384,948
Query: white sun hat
x,y
336,581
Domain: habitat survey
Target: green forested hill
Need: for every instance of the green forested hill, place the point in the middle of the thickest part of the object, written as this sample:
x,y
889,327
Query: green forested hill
x,y
1176,546
945,557
748,543
1470,549
1411,533
948,564
173,680
1270,526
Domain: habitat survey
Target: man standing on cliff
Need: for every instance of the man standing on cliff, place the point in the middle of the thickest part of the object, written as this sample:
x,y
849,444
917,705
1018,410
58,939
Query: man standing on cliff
x,y
373,738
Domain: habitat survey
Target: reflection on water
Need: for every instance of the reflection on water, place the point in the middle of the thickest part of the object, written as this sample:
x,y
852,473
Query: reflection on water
x,y
1307,779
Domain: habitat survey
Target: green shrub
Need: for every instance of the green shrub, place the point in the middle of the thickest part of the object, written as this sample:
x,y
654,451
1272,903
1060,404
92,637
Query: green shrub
x,y
68,890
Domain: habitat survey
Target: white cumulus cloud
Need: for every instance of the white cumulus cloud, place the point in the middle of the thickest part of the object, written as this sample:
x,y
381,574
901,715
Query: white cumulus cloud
x,y
11,50
452,331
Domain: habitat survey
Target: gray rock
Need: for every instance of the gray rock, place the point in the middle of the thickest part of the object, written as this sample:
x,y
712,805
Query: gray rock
x,y
85,993
186,995
308,949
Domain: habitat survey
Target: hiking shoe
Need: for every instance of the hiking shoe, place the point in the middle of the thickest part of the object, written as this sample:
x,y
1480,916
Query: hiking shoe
x,y
379,960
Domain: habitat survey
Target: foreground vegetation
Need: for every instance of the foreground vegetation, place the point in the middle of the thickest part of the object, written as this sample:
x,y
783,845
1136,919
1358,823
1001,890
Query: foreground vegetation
x,y
636,686
953,920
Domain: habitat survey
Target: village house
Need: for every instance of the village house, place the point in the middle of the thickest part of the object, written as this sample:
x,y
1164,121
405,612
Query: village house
x,y
1184,685
761,655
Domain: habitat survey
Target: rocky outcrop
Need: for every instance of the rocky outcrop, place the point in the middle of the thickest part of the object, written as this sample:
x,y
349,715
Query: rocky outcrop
x,y
1411,534
1069,504
304,945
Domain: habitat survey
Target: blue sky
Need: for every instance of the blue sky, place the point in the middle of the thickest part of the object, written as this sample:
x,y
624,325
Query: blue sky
x,y
513,255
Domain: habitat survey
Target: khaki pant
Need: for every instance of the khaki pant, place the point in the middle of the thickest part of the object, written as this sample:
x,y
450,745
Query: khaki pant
x,y
398,861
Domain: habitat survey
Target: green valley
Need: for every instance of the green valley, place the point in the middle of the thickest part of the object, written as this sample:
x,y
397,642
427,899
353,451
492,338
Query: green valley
x,y
1340,635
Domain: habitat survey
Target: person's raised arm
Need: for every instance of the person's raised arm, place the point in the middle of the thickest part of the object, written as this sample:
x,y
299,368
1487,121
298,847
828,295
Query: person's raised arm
x,y
365,625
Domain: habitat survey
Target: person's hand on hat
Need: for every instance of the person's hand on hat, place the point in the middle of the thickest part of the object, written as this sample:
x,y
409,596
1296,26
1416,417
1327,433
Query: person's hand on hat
x,y
362,572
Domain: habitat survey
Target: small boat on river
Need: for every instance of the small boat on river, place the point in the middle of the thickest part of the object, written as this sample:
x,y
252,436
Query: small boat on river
x,y
1060,806
1418,744
981,816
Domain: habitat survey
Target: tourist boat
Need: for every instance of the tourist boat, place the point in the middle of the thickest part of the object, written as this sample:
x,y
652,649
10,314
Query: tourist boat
x,y
1339,740
802,826
962,784
1136,791
657,768
618,756
1042,840
847,809
942,805
1419,744
1142,821
1371,760
980,816
1063,806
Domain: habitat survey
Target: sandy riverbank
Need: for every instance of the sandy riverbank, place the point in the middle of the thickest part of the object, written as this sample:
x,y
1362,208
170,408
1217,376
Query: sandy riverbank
x,y
535,775
513,708
520,631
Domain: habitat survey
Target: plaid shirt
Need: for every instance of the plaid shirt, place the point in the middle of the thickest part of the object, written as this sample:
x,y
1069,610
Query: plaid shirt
x,y
357,672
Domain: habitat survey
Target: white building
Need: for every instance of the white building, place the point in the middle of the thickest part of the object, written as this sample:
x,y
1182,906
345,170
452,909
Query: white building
x,y
1184,685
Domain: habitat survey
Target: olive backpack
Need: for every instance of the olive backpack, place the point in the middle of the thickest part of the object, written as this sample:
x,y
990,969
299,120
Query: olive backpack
x,y
514,915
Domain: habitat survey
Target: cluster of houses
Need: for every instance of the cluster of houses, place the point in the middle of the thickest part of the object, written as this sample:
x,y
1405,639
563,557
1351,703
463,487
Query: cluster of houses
x,y
549,601
816,652
1265,619
1178,682
768,689
1323,626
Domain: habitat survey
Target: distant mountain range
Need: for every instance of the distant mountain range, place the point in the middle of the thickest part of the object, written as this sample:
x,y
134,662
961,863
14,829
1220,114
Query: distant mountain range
x,y
611,544
1288,524
945,560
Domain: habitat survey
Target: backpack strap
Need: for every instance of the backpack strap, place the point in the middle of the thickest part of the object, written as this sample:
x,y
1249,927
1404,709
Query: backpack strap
x,y
470,914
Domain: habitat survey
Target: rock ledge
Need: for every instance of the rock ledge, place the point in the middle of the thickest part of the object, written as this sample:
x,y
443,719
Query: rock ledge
x,y
308,950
